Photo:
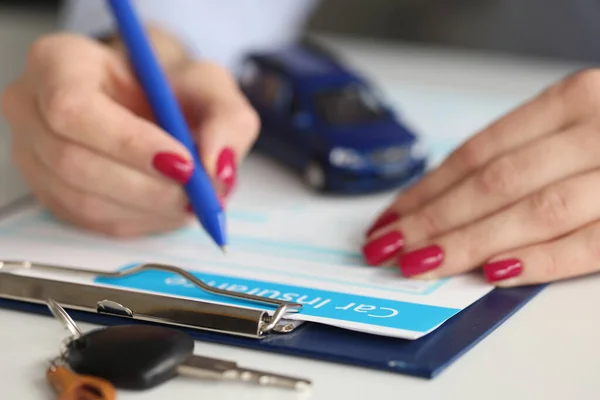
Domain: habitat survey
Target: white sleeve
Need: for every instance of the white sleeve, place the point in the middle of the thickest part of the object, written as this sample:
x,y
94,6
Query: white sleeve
x,y
220,30
92,17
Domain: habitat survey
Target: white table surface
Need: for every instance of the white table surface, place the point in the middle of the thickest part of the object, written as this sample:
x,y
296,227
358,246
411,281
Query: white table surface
x,y
548,350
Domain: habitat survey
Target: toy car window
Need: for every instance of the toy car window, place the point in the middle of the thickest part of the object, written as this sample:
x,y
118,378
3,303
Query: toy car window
x,y
268,88
348,104
250,73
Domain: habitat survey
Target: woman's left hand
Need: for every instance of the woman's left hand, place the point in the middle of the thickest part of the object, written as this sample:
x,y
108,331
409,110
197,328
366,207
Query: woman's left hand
x,y
520,198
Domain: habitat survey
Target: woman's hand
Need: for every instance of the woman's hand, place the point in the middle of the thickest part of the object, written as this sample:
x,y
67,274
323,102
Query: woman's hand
x,y
86,143
520,198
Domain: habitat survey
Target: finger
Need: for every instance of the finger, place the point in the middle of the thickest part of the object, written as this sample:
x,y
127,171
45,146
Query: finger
x,y
77,102
121,228
224,123
504,181
87,210
96,122
100,70
571,256
89,172
546,113
550,213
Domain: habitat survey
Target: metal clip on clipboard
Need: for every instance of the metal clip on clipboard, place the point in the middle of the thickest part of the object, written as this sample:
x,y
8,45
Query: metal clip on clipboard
x,y
189,313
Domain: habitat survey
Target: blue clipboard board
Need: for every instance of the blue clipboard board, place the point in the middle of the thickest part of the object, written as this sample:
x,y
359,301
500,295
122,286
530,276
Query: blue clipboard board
x,y
426,357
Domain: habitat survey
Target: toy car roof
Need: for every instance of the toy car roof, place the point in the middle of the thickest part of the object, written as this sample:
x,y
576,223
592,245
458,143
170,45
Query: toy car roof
x,y
302,62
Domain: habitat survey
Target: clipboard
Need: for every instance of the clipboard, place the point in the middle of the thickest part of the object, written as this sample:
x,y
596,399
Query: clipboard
x,y
261,328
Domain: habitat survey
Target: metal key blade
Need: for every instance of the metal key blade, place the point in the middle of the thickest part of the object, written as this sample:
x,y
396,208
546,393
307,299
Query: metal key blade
x,y
264,378
60,314
205,367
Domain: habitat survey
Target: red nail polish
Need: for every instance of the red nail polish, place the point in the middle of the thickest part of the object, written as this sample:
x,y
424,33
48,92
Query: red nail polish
x,y
173,166
383,248
420,261
503,269
383,220
226,170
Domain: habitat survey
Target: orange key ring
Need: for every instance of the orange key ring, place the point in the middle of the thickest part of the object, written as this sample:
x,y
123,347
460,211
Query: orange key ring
x,y
71,386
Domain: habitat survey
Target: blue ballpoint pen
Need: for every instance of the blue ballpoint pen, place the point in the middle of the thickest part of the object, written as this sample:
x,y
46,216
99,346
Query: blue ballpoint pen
x,y
199,188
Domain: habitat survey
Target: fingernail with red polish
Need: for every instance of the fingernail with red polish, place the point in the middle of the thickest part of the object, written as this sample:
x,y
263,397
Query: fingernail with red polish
x,y
383,248
226,170
383,220
503,269
420,261
173,166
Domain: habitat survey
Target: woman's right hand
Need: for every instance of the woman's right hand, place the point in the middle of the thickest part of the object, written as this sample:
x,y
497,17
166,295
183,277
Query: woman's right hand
x,y
85,142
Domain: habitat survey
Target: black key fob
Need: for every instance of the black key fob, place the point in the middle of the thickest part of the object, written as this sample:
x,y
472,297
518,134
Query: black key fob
x,y
133,357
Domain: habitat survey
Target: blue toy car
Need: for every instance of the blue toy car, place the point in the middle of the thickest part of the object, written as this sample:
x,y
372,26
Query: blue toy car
x,y
328,123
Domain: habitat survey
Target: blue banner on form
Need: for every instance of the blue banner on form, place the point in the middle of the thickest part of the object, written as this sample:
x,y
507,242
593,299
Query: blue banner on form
x,y
317,303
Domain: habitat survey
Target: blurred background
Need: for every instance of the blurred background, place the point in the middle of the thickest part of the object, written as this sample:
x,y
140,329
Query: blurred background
x,y
556,31
539,28
542,28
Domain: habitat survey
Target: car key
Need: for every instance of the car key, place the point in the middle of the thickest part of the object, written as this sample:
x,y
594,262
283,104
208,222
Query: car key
x,y
67,384
115,356
140,357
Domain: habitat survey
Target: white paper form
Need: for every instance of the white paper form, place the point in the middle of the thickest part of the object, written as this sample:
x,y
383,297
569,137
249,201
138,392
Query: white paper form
x,y
285,243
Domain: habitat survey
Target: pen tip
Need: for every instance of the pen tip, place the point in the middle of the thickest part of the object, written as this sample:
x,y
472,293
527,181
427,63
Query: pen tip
x,y
224,249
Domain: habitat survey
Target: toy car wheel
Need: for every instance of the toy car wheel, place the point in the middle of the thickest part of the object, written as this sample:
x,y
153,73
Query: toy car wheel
x,y
314,176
